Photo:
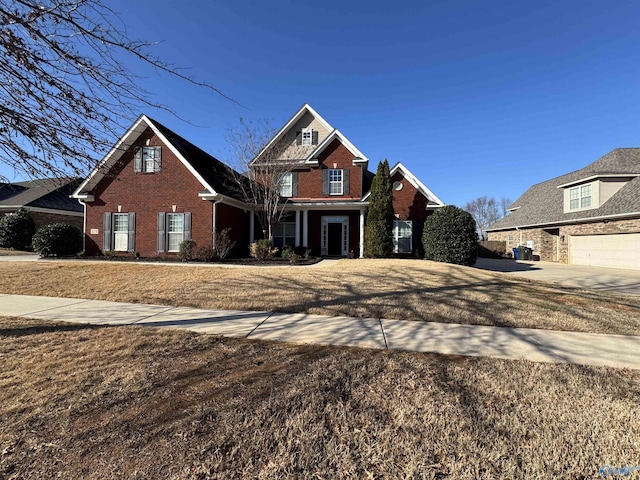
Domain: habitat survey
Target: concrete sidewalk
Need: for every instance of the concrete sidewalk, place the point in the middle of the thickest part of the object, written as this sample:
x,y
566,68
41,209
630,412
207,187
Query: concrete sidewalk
x,y
449,339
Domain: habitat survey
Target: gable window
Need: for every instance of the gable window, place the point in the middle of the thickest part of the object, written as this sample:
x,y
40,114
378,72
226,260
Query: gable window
x,y
306,136
119,232
284,233
173,229
335,181
580,197
147,159
402,236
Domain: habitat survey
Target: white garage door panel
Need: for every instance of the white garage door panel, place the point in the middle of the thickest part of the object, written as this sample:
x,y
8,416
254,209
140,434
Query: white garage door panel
x,y
616,251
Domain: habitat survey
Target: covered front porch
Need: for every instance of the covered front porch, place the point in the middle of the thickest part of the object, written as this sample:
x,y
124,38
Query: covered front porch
x,y
328,229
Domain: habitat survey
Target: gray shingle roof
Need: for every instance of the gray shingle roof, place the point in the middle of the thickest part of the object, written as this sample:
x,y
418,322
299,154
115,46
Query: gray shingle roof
x,y
50,193
543,203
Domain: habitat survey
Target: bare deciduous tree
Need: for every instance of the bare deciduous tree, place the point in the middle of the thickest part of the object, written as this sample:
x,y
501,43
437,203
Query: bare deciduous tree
x,y
66,87
265,168
485,211
505,203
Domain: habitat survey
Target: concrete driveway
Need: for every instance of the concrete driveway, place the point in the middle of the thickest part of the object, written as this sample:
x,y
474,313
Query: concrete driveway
x,y
615,280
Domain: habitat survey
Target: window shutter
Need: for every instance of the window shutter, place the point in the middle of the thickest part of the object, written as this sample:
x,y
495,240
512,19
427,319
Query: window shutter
x,y
345,182
298,138
187,227
131,240
137,160
325,182
161,232
157,159
314,137
294,184
106,240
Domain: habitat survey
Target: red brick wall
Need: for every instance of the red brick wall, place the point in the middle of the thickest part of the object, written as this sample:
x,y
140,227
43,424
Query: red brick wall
x,y
228,216
410,204
310,181
146,194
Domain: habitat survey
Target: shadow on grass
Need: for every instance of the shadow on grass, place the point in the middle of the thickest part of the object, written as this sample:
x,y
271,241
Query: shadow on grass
x,y
31,329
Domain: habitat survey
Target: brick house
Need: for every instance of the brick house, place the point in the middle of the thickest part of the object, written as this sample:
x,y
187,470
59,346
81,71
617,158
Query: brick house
x,y
587,217
155,189
46,199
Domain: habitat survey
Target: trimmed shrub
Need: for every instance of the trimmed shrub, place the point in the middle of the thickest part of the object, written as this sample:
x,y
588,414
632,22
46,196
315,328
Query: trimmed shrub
x,y
261,249
450,236
16,230
187,250
57,239
205,254
378,241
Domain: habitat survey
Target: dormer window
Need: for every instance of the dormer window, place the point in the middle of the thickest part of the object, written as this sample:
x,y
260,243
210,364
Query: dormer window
x,y
580,197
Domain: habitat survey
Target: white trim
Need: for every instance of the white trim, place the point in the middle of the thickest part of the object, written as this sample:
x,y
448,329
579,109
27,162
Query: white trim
x,y
122,146
617,216
296,116
362,212
344,234
42,210
418,185
336,205
305,228
597,176
216,197
359,157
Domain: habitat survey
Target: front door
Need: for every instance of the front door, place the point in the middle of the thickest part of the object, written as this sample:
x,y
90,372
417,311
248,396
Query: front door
x,y
334,242
335,236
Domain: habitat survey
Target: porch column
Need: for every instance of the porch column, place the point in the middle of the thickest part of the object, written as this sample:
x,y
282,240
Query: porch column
x,y
361,233
305,228
297,228
252,232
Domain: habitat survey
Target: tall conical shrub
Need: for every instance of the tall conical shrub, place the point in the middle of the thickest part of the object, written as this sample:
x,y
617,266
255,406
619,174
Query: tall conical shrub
x,y
378,240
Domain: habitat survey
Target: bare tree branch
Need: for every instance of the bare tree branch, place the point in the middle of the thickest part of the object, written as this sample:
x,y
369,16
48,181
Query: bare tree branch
x,y
66,90
263,169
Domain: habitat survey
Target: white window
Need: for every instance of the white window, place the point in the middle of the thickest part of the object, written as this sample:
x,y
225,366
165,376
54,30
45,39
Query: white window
x,y
284,233
335,182
286,185
307,136
580,197
120,232
510,240
175,231
402,236
147,159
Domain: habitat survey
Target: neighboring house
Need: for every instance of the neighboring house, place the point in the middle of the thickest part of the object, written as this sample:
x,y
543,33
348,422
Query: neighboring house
x,y
587,217
47,200
155,189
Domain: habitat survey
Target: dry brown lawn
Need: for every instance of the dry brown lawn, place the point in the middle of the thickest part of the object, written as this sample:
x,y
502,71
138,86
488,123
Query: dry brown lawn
x,y
82,402
399,289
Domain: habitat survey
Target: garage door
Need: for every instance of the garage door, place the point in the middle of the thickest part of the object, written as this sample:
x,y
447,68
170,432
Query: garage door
x,y
617,251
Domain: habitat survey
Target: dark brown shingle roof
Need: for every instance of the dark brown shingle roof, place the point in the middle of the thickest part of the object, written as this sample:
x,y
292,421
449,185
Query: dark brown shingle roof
x,y
544,203
50,193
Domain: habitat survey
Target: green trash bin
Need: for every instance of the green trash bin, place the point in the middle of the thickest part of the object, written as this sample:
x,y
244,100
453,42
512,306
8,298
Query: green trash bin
x,y
521,253
528,253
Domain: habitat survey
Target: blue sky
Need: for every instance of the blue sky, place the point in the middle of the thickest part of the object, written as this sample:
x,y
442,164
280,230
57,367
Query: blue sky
x,y
476,98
